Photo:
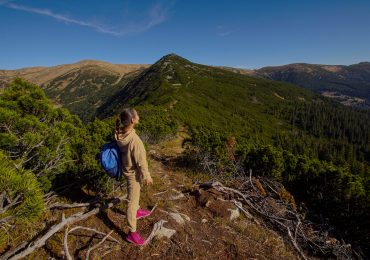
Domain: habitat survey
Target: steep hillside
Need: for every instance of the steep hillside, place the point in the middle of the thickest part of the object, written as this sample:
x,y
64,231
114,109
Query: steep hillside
x,y
81,87
197,94
348,84
43,75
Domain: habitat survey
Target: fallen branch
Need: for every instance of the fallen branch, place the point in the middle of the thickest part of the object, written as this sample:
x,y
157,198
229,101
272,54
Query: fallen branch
x,y
247,214
72,205
250,179
29,247
93,230
12,203
67,232
301,233
294,242
97,245
65,245
156,194
220,187
7,218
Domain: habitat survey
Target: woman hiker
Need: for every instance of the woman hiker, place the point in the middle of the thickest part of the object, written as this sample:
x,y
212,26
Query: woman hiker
x,y
134,167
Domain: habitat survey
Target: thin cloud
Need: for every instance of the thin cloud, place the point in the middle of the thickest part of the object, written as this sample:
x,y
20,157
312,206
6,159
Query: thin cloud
x,y
223,31
157,14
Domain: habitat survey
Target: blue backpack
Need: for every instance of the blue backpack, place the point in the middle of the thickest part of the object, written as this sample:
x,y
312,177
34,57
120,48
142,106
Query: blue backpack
x,y
110,159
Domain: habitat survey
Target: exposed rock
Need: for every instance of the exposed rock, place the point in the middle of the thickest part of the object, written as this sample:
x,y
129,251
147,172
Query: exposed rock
x,y
186,217
214,201
234,213
179,195
177,217
176,197
165,232
159,231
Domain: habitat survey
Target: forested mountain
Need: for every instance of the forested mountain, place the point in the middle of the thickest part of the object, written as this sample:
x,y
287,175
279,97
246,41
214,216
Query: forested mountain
x,y
348,84
318,148
90,83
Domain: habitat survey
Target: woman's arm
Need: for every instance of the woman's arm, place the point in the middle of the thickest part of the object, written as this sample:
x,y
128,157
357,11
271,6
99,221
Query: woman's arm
x,y
139,156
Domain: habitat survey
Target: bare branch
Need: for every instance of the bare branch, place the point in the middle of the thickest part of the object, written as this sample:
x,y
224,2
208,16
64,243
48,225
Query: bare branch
x,y
97,245
18,253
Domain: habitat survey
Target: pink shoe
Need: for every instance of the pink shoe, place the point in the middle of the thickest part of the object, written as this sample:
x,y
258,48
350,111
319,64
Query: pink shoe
x,y
142,213
135,238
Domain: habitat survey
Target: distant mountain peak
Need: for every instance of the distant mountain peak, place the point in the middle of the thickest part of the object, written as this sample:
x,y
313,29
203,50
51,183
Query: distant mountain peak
x,y
172,57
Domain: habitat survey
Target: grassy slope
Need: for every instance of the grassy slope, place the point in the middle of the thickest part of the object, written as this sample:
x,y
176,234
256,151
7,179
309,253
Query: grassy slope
x,y
203,95
83,90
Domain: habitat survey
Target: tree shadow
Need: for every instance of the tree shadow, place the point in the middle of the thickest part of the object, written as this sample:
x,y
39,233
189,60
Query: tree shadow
x,y
110,224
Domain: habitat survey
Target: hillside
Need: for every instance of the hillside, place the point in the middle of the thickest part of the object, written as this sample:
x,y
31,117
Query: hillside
x,y
81,87
84,86
43,75
196,94
348,84
318,149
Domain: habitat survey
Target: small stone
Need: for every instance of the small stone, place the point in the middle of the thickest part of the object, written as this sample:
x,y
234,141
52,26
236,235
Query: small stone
x,y
235,213
177,217
165,232
177,197
186,217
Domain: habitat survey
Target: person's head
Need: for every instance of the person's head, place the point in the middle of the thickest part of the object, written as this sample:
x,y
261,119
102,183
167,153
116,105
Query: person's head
x,y
128,118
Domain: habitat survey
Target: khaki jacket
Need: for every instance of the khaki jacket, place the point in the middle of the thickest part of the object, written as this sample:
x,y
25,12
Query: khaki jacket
x,y
133,154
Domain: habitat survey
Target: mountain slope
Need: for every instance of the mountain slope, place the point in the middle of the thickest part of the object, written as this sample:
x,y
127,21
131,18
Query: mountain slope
x,y
81,87
43,75
196,93
348,84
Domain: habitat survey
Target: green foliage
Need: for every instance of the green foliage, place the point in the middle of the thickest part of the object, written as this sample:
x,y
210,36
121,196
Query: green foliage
x,y
345,129
85,149
340,192
156,123
49,141
35,134
266,160
20,195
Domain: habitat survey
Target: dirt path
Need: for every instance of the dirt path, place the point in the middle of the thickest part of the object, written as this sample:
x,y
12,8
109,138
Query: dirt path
x,y
206,226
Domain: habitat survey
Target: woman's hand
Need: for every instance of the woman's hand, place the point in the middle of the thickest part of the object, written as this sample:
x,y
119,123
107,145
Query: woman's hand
x,y
149,181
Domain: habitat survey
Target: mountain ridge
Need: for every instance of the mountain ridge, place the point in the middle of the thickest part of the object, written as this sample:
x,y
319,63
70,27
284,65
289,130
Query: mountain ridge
x,y
348,84
42,74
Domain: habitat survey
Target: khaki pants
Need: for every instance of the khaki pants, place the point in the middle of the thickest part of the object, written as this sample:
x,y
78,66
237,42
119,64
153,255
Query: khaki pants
x,y
133,196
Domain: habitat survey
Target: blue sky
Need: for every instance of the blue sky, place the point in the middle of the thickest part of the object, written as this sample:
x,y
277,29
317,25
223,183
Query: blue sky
x,y
239,33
